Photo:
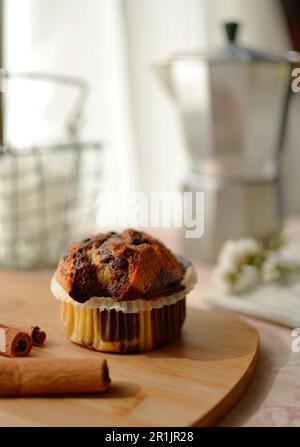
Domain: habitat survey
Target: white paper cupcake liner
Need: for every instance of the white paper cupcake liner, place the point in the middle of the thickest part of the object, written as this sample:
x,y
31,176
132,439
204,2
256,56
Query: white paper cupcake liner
x,y
130,306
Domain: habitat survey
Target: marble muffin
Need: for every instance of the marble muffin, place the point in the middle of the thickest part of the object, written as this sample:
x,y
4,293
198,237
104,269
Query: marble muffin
x,y
122,291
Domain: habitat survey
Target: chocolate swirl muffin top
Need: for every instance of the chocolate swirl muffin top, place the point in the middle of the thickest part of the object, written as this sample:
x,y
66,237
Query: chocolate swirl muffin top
x,y
123,266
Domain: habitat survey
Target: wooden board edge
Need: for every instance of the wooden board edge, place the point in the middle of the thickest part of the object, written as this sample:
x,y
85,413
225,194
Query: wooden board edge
x,y
222,408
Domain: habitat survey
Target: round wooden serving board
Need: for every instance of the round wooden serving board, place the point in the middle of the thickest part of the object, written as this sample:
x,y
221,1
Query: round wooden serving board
x,y
194,381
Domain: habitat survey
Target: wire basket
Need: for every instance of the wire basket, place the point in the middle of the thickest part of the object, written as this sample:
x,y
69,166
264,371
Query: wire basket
x,y
48,193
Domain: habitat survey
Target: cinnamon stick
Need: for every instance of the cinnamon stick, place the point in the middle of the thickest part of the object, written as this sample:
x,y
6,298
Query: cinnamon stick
x,y
14,343
34,376
38,336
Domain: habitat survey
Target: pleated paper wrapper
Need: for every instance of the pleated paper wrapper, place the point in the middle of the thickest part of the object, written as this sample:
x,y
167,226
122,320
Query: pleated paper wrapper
x,y
107,325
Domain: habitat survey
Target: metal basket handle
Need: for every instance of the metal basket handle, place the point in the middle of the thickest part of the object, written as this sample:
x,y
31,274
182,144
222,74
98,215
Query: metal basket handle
x,y
75,116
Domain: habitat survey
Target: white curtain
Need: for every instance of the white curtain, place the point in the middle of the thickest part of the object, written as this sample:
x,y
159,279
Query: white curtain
x,y
156,27
80,38
113,44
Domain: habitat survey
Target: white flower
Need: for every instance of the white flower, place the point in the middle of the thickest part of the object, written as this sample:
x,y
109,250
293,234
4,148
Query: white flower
x,y
223,277
236,253
232,281
244,263
232,272
247,279
270,271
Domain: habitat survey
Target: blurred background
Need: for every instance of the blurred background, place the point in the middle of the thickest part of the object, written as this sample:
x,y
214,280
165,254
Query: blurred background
x,y
159,125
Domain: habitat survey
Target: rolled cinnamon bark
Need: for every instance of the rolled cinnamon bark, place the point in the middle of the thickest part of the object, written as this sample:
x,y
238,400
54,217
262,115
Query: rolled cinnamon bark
x,y
38,336
35,376
14,343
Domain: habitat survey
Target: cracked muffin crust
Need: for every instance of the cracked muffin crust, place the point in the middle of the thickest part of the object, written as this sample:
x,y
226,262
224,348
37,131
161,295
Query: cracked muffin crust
x,y
124,266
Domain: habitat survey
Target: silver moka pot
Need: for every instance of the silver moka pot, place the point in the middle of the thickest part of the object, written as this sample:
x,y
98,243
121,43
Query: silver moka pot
x,y
233,104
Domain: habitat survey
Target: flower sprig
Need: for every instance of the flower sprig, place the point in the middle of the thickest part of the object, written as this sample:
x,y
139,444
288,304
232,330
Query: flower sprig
x,y
245,263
